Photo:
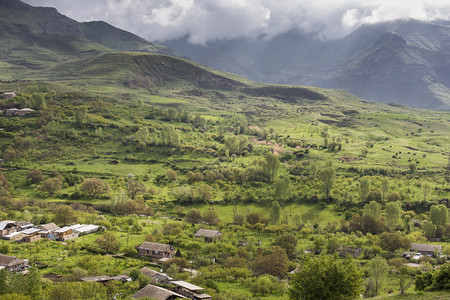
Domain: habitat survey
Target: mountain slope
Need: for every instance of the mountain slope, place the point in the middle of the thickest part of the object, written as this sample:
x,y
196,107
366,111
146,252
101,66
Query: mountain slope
x,y
37,37
405,62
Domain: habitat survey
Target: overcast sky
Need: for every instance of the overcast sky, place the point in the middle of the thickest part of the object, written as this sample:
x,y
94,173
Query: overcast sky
x,y
209,20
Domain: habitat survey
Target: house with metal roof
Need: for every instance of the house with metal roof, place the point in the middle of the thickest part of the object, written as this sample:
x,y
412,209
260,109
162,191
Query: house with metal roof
x,y
151,291
12,263
156,250
209,235
190,290
426,249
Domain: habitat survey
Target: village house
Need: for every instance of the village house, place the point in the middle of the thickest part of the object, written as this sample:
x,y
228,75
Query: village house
x,y
426,249
47,230
151,291
7,227
160,278
64,234
12,263
19,112
156,250
31,235
106,279
22,225
8,95
353,251
209,235
190,290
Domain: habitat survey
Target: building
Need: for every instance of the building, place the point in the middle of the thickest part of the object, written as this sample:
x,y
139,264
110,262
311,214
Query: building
x,y
190,290
158,277
105,279
156,250
84,229
426,249
64,234
12,263
19,112
31,235
155,292
7,227
209,235
353,251
22,225
48,229
8,95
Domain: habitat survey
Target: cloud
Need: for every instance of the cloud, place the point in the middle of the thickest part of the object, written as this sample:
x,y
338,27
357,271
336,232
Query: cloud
x,y
208,20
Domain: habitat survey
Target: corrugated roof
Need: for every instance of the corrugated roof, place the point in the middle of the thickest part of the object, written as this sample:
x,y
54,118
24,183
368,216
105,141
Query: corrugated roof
x,y
207,233
155,246
86,228
4,223
30,231
425,247
149,272
49,227
187,285
155,292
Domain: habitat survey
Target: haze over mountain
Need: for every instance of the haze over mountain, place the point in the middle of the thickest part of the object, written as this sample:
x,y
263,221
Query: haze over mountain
x,y
404,61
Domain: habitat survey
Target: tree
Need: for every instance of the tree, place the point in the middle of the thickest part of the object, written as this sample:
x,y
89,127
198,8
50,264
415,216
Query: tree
x,y
33,280
393,241
108,242
393,214
384,187
135,187
439,215
51,186
326,176
373,209
65,214
426,190
271,166
193,216
275,212
274,263
35,176
4,183
238,219
171,175
282,189
326,277
81,116
288,242
94,187
204,192
210,217
364,188
377,268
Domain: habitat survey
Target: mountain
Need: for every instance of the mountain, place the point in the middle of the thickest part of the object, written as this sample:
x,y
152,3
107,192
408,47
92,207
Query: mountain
x,y
35,37
405,61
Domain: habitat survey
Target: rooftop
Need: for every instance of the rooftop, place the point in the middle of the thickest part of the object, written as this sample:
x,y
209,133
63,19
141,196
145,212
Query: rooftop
x,y
6,260
155,246
155,292
207,233
425,247
187,285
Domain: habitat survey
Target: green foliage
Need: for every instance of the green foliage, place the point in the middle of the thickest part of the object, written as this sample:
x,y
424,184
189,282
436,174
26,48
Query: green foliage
x,y
393,241
327,177
326,277
271,166
439,215
108,242
377,269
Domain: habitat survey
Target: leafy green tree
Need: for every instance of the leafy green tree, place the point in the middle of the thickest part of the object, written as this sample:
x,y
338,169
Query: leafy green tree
x,y
271,166
384,187
35,176
171,175
275,212
326,277
274,263
377,269
64,214
33,280
364,188
94,187
135,188
327,177
393,214
282,189
51,186
193,216
81,116
210,217
393,241
288,242
439,215
373,209
108,242
426,190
